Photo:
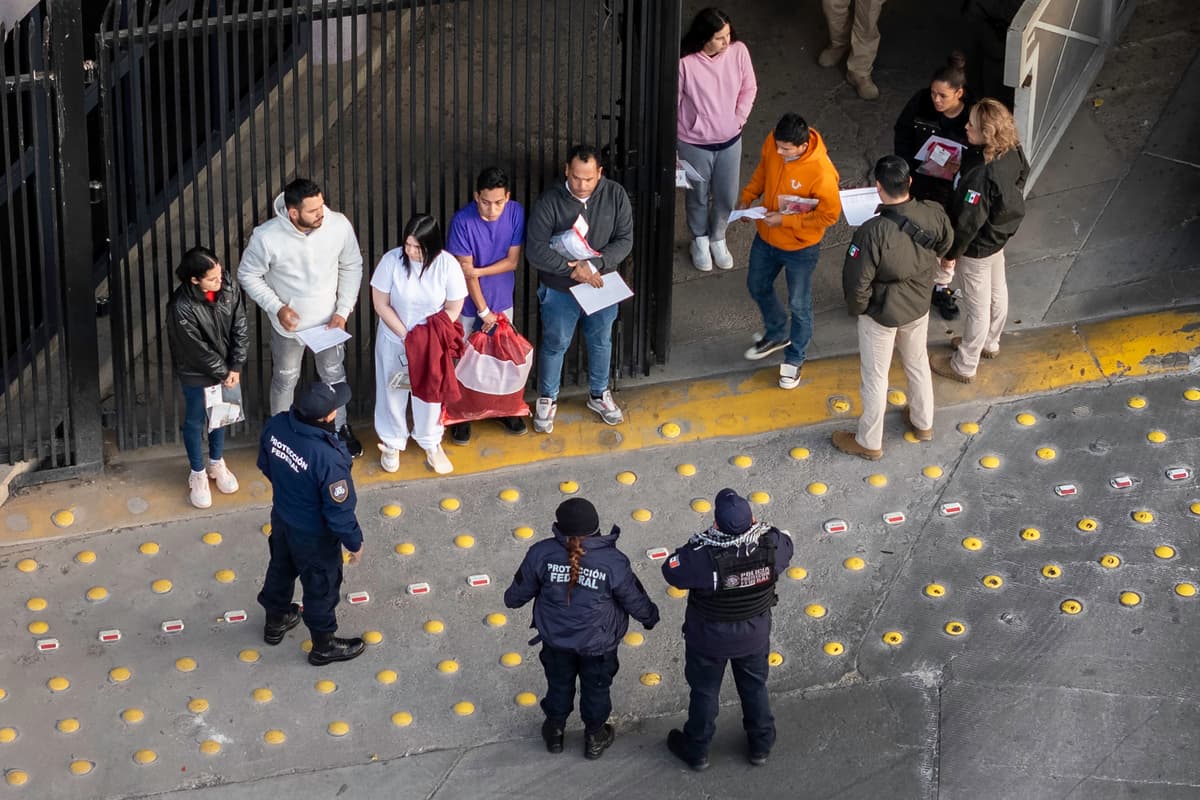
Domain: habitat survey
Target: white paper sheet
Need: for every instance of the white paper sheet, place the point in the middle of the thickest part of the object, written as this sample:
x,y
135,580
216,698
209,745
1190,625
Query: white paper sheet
x,y
859,204
686,175
591,299
322,338
947,144
753,212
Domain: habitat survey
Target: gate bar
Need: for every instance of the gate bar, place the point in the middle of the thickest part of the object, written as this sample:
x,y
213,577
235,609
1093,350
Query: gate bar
x,y
79,323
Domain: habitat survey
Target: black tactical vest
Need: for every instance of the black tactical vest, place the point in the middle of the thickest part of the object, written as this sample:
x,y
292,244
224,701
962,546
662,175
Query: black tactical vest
x,y
745,584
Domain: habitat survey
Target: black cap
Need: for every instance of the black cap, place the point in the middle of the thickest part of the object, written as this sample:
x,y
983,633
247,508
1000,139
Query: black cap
x,y
316,400
577,517
733,513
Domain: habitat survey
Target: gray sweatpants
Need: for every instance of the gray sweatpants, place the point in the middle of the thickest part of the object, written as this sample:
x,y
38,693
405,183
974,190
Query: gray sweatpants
x,y
721,171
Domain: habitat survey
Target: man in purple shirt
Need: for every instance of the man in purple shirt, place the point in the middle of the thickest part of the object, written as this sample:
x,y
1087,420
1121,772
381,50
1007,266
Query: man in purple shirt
x,y
486,237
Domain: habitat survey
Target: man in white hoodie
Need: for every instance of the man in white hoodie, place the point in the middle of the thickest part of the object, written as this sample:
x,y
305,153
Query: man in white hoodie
x,y
304,269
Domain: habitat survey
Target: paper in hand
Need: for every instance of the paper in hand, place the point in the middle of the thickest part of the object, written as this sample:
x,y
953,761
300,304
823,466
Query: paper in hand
x,y
753,212
859,204
322,338
592,299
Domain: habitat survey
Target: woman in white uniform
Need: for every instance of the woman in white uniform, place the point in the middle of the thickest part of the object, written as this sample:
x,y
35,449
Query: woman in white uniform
x,y
411,284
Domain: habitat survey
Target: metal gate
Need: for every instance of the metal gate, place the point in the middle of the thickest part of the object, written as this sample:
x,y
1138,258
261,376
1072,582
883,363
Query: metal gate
x,y
49,398
392,106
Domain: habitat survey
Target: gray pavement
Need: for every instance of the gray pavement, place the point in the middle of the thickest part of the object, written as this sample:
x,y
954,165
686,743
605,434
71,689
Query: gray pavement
x,y
1027,701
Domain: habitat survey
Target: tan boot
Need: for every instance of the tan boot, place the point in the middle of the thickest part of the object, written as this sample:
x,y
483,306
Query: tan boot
x,y
831,56
863,84
845,441
922,434
942,365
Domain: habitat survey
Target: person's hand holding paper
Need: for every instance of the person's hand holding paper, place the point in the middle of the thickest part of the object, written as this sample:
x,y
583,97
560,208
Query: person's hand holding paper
x,y
753,212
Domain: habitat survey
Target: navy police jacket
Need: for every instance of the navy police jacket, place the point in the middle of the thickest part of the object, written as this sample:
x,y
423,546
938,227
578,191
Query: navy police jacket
x,y
309,471
691,567
596,616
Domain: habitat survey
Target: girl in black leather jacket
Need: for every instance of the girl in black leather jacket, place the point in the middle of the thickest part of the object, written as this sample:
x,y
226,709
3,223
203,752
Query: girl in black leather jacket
x,y
206,328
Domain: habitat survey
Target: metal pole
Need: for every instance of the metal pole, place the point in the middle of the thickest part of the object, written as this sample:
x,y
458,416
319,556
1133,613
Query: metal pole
x,y
66,35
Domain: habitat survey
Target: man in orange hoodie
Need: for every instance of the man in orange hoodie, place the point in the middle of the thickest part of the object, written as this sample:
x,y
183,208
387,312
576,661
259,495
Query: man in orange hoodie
x,y
798,185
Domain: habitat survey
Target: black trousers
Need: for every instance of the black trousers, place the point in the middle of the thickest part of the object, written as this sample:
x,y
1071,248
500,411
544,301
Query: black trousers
x,y
704,677
595,675
313,557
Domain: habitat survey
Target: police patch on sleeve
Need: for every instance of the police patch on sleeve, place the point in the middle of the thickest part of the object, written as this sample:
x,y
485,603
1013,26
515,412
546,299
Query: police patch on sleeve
x,y
853,251
972,197
339,491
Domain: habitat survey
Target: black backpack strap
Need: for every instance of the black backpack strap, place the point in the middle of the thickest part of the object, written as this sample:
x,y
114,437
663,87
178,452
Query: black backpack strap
x,y
919,235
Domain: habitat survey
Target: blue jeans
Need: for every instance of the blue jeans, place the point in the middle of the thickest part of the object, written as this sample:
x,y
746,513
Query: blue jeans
x,y
195,423
595,675
799,265
704,676
560,315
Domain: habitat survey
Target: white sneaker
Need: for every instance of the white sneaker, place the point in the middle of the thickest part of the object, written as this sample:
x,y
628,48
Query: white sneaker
x,y
389,458
789,376
607,408
721,254
201,495
435,457
543,414
701,257
226,482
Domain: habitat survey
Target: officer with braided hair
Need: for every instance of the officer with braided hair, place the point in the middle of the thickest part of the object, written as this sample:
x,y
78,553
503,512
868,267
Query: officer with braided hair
x,y
729,571
583,591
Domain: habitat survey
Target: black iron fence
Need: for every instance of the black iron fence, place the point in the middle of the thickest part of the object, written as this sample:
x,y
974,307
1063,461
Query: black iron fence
x,y
210,107
49,398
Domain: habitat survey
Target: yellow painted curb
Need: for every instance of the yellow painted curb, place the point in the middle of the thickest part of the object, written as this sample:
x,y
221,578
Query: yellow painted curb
x,y
1033,362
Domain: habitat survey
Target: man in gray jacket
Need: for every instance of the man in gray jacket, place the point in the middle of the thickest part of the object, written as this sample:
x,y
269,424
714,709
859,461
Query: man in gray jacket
x,y
304,269
586,200
887,277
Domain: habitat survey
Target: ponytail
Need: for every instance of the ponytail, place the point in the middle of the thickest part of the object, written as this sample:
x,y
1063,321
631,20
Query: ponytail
x,y
574,556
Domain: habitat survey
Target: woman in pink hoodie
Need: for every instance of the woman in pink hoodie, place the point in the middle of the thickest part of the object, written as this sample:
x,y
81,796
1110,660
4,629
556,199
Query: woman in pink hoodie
x,y
716,92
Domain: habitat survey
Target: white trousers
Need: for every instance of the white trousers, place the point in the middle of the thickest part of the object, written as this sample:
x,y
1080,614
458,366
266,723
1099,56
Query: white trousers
x,y
875,344
391,405
985,303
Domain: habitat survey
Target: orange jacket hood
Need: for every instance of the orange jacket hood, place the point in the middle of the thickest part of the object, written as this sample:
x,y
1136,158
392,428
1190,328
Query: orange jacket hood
x,y
810,175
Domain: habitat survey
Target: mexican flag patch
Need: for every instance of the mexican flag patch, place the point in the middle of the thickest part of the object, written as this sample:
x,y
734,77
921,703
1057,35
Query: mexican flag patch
x,y
853,251
972,197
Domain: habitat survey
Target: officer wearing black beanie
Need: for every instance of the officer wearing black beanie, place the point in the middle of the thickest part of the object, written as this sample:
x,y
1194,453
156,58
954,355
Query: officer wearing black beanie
x,y
583,591
729,571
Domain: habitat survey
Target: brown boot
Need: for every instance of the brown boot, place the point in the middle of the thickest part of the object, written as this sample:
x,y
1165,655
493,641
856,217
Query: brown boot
x,y
922,434
942,366
845,441
956,343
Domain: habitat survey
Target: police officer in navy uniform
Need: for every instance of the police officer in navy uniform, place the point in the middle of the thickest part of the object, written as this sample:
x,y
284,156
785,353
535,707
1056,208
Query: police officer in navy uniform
x,y
583,592
312,519
729,571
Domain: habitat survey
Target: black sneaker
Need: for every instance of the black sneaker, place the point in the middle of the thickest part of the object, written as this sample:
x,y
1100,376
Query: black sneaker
x,y
279,624
352,443
943,301
552,735
759,759
677,744
460,433
594,744
514,425
765,347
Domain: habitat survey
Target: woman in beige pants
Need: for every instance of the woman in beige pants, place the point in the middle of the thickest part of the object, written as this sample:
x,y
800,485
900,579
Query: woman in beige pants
x,y
986,210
